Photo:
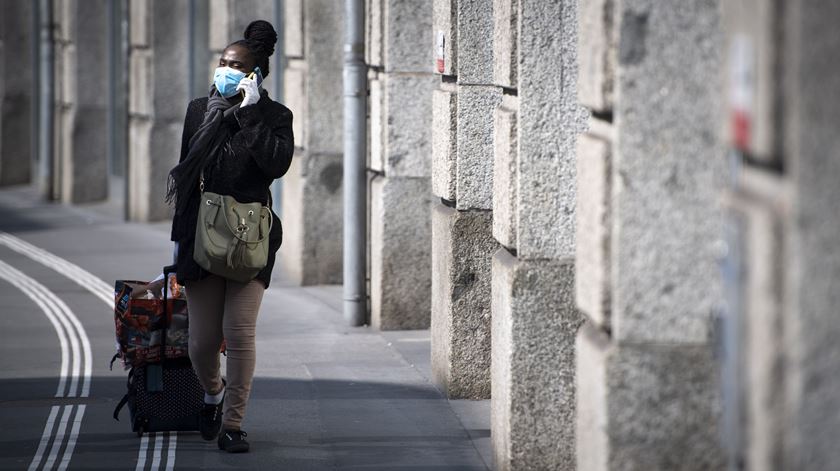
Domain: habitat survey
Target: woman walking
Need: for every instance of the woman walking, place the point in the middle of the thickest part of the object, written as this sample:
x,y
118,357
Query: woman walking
x,y
236,141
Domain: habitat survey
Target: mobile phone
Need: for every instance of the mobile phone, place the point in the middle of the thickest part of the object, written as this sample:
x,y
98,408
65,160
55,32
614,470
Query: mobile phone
x,y
255,75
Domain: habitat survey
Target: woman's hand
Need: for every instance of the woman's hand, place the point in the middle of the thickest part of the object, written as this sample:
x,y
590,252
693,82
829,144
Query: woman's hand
x,y
252,92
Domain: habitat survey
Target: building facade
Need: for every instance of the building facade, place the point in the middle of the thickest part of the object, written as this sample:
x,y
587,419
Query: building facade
x,y
618,220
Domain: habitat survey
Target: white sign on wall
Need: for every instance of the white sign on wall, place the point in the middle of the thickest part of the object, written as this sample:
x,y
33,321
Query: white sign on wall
x,y
440,52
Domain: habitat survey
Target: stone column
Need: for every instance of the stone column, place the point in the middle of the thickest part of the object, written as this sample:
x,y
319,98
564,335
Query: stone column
x,y
783,225
401,84
17,85
80,153
813,275
312,189
649,228
462,177
534,315
159,91
758,206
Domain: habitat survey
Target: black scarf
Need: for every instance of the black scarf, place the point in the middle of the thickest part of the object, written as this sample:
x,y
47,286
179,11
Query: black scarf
x,y
204,147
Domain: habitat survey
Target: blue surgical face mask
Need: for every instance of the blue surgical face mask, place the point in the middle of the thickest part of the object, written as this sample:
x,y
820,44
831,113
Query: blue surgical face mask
x,y
226,80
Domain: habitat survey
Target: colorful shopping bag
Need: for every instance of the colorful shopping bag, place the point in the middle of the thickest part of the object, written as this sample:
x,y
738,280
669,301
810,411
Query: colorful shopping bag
x,y
142,315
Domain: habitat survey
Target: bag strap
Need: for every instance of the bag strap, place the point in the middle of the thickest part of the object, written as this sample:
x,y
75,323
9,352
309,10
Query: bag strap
x,y
126,397
113,359
268,200
119,407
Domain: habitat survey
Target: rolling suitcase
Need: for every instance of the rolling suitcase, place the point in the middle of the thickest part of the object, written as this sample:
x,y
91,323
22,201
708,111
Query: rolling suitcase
x,y
163,392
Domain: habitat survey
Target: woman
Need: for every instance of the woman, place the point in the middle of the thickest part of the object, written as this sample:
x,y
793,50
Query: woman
x,y
240,141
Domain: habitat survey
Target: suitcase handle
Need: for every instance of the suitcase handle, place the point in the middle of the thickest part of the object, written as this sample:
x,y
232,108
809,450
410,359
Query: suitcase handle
x,y
167,270
170,269
154,376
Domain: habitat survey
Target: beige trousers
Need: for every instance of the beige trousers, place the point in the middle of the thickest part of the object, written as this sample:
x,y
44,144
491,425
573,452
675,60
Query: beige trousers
x,y
221,308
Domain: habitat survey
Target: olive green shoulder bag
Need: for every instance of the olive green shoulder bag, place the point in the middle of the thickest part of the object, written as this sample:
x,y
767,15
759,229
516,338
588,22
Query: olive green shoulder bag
x,y
231,238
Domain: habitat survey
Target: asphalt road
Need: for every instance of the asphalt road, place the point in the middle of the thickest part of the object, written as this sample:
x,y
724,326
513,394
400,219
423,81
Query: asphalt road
x,y
325,396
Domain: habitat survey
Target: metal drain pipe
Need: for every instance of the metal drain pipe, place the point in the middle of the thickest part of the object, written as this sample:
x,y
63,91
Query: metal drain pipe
x,y
45,176
355,142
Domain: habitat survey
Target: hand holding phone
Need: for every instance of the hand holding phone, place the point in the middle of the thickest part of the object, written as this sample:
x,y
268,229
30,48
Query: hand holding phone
x,y
250,88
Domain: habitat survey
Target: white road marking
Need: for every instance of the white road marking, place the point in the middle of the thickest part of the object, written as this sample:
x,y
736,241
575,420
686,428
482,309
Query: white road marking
x,y
54,307
34,290
141,454
104,292
11,275
45,439
59,437
170,457
80,276
158,446
67,326
74,435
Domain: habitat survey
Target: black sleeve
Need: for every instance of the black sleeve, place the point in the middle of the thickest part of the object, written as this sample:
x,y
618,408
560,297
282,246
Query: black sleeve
x,y
190,127
191,123
266,136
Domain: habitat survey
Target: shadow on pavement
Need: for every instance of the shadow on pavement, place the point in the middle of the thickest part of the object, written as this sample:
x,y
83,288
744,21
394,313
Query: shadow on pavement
x,y
292,424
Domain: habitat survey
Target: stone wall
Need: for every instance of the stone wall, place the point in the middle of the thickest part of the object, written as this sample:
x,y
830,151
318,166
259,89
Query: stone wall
x,y
649,227
569,263
534,315
401,85
16,93
312,189
462,181
158,98
80,155
813,276
783,262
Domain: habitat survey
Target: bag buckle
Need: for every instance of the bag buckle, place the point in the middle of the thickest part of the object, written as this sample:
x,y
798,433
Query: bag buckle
x,y
242,227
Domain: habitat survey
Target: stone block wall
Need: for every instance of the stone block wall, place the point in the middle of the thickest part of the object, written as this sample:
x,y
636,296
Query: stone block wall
x,y
312,189
16,93
649,228
158,98
813,267
401,84
782,259
533,199
463,106
80,112
569,266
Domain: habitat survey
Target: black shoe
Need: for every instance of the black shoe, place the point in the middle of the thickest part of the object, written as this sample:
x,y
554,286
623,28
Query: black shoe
x,y
210,420
233,441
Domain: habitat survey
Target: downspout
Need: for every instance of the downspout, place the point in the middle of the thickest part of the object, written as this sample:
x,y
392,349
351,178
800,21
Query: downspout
x,y
277,91
45,103
35,107
355,149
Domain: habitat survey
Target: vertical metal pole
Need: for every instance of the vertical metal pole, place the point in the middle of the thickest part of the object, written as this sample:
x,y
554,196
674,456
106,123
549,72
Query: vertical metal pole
x,y
279,64
125,48
116,162
355,141
35,107
45,102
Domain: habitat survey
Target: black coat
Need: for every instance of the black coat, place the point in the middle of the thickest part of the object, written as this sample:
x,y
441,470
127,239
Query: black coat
x,y
259,150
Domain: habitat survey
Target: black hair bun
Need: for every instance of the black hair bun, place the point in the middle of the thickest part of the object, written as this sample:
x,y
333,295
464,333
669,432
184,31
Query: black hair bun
x,y
262,36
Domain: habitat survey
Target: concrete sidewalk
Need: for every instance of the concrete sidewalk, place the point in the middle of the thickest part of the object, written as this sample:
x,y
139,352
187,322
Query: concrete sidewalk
x,y
325,396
